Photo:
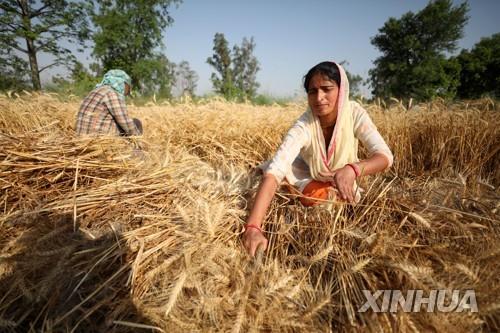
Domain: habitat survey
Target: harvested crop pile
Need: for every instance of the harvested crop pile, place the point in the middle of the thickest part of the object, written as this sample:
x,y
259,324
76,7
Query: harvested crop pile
x,y
97,238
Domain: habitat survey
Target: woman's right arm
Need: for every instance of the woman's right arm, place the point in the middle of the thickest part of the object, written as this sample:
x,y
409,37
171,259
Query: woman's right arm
x,y
294,140
253,237
118,110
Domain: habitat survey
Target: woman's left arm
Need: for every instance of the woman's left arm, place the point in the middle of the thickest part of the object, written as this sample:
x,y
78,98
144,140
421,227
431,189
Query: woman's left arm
x,y
366,131
343,178
378,162
380,158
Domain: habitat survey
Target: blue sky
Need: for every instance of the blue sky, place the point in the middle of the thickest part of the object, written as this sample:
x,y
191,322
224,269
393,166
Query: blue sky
x,y
293,35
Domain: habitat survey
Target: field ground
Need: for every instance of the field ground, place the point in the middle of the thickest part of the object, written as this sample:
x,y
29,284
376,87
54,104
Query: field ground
x,y
95,237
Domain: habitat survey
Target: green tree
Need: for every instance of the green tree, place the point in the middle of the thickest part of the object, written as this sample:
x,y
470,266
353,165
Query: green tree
x,y
355,81
245,68
236,72
129,36
13,71
185,78
221,61
480,69
156,75
413,62
79,82
40,26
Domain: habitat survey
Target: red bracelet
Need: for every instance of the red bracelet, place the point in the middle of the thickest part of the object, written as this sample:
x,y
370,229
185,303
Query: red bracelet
x,y
355,168
252,226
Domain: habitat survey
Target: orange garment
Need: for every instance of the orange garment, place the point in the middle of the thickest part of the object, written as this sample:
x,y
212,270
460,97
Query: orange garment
x,y
315,190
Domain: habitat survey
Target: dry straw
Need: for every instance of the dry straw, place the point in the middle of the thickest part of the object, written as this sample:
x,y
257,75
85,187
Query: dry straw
x,y
94,237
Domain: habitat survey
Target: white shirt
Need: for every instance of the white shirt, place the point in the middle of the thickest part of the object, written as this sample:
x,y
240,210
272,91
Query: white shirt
x,y
287,158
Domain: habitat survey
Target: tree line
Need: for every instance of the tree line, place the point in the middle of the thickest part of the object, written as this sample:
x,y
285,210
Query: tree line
x,y
415,59
124,34
414,64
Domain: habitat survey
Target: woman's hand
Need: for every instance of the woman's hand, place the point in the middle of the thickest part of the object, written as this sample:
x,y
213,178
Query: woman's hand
x,y
343,180
253,239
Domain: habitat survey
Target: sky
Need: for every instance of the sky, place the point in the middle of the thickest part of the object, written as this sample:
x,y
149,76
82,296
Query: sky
x,y
291,36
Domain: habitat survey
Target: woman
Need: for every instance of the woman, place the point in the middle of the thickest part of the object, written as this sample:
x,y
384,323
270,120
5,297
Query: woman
x,y
104,112
318,156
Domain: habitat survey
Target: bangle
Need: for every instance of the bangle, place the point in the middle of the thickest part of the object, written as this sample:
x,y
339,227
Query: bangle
x,y
252,226
355,168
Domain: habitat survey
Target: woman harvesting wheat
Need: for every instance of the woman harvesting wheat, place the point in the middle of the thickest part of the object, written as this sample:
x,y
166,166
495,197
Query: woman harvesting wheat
x,y
318,156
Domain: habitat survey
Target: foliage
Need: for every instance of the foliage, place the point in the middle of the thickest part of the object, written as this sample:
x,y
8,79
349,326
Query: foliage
x,y
221,61
413,64
40,25
127,37
185,79
156,75
267,99
80,82
245,68
355,81
480,69
235,76
13,71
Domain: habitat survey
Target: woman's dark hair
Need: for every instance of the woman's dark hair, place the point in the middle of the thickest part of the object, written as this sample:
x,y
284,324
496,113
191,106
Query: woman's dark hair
x,y
326,68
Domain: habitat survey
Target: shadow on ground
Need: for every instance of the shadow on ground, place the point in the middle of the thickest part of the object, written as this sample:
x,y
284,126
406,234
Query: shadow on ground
x,y
56,279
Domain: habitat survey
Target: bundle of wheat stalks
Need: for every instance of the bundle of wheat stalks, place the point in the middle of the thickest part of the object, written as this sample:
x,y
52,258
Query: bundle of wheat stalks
x,y
95,238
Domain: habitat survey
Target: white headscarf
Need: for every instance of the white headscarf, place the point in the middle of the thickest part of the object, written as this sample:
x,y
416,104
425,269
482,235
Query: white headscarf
x,y
343,148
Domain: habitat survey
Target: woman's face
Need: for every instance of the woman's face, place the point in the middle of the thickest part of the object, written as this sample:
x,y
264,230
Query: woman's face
x,y
322,95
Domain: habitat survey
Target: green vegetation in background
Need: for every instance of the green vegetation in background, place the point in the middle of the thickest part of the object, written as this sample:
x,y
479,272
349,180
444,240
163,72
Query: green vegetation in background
x,y
236,71
13,72
480,69
127,36
30,28
185,79
413,63
355,81
80,82
267,99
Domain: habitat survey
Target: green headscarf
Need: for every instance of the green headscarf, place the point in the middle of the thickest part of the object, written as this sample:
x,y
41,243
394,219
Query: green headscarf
x,y
116,79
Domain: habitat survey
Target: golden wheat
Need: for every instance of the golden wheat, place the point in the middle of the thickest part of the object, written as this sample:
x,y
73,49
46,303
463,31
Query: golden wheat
x,y
94,238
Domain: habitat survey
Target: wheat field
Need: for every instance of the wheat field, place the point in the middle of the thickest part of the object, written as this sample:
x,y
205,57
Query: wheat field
x,y
95,237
